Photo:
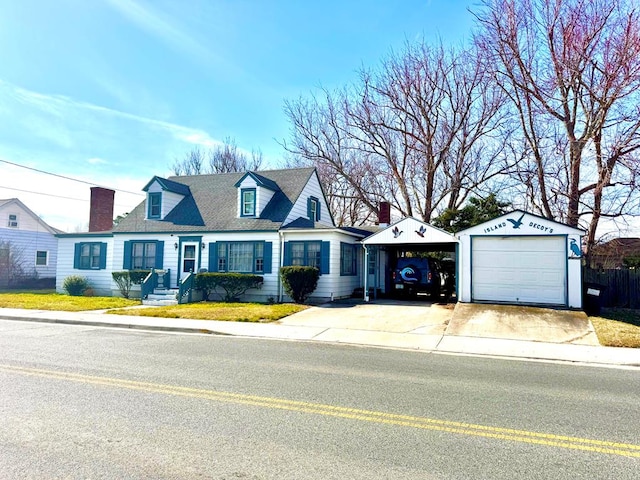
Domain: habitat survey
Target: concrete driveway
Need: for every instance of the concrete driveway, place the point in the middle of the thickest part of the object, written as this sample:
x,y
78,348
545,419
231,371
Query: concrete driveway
x,y
522,323
353,320
380,315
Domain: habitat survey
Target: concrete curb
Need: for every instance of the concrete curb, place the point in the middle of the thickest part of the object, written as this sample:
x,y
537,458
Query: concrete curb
x,y
445,344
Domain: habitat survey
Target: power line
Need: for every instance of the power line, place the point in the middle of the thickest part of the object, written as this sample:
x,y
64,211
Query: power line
x,y
52,195
66,178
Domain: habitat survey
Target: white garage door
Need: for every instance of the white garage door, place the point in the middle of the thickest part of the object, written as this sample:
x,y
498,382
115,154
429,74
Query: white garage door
x,y
519,270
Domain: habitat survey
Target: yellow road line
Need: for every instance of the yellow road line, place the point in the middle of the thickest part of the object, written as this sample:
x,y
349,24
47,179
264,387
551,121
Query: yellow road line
x,y
507,434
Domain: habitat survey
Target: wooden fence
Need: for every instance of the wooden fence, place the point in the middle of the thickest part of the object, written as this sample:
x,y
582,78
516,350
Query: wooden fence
x,y
621,288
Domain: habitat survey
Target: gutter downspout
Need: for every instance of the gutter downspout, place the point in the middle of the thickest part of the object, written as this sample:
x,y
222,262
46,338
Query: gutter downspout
x,y
280,264
366,273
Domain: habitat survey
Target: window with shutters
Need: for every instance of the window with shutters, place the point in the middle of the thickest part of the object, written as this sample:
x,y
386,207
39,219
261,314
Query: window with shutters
x,y
143,255
241,257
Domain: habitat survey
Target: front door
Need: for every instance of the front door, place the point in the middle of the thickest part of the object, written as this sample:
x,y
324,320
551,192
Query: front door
x,y
189,258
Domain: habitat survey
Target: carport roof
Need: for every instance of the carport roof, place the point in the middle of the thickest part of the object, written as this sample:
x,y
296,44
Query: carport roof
x,y
410,231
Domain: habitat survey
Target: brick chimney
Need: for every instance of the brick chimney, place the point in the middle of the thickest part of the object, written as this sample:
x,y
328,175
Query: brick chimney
x,y
101,209
384,214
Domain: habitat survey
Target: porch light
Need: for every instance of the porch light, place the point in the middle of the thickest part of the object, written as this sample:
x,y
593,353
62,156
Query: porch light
x,y
175,245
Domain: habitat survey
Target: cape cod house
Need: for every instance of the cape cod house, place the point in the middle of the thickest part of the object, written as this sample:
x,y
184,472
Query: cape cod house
x,y
252,222
28,245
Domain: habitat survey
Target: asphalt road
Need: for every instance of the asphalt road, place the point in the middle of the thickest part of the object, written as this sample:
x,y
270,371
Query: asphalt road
x,y
85,402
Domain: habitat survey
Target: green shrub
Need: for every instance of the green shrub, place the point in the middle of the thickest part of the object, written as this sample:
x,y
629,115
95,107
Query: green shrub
x,y
75,285
299,282
632,261
138,276
233,284
126,278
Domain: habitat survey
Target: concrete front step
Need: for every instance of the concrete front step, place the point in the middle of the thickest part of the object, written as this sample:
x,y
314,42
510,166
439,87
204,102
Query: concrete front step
x,y
159,303
161,297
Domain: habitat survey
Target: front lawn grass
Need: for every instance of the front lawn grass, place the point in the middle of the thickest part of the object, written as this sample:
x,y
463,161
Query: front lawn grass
x,y
65,303
618,328
234,312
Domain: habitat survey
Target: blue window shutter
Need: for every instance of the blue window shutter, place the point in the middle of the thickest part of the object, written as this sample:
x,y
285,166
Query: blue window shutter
x,y
287,254
324,257
318,209
159,254
213,257
309,210
103,256
267,253
126,261
76,255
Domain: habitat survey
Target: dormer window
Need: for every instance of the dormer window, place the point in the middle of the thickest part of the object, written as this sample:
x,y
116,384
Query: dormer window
x,y
13,221
248,204
313,209
155,203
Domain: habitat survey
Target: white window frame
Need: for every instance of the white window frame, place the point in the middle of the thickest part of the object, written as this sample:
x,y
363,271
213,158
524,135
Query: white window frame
x,y
12,222
46,258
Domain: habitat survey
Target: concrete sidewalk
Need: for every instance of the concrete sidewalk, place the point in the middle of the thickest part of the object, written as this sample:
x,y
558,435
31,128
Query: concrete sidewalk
x,y
381,333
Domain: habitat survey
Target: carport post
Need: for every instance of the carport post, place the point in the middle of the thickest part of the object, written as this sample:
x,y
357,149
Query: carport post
x,y
366,273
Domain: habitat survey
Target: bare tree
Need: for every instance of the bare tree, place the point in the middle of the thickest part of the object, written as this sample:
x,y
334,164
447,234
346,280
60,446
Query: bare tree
x,y
417,132
191,164
223,158
227,158
572,72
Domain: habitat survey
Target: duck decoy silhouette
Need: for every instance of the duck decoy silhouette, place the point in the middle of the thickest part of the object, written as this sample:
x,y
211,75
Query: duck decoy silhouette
x,y
516,223
421,231
396,232
575,249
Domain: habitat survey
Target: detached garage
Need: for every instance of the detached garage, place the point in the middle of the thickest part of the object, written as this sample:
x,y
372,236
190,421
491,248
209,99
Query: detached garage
x,y
520,258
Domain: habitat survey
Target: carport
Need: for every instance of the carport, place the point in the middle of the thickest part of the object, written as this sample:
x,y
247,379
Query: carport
x,y
409,234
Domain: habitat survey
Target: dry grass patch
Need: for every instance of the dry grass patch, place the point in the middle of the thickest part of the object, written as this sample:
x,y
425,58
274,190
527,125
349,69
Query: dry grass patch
x,y
65,303
234,312
618,328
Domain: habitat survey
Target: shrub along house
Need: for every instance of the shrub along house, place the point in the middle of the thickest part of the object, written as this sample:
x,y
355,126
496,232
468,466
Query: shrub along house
x,y
252,222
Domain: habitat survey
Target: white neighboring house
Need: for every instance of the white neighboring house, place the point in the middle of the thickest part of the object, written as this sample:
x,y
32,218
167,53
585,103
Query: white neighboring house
x,y
251,222
29,240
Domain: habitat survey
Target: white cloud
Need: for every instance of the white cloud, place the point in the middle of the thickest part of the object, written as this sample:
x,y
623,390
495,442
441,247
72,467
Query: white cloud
x,y
102,146
153,22
96,161
200,138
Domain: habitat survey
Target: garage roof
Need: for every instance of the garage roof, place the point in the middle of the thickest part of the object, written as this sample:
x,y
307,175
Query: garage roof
x,y
411,231
520,222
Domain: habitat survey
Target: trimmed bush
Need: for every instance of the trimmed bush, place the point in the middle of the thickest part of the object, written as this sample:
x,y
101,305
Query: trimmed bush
x,y
233,284
75,285
299,282
126,278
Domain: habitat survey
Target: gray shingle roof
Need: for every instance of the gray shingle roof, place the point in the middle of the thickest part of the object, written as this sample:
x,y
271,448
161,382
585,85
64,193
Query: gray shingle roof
x,y
212,205
169,186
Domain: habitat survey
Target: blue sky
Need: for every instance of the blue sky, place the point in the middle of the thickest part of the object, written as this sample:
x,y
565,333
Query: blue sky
x,y
113,91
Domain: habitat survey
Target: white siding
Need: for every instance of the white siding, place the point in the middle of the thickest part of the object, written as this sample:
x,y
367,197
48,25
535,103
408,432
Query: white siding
x,y
27,221
169,201
25,244
263,195
100,280
299,209
331,285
